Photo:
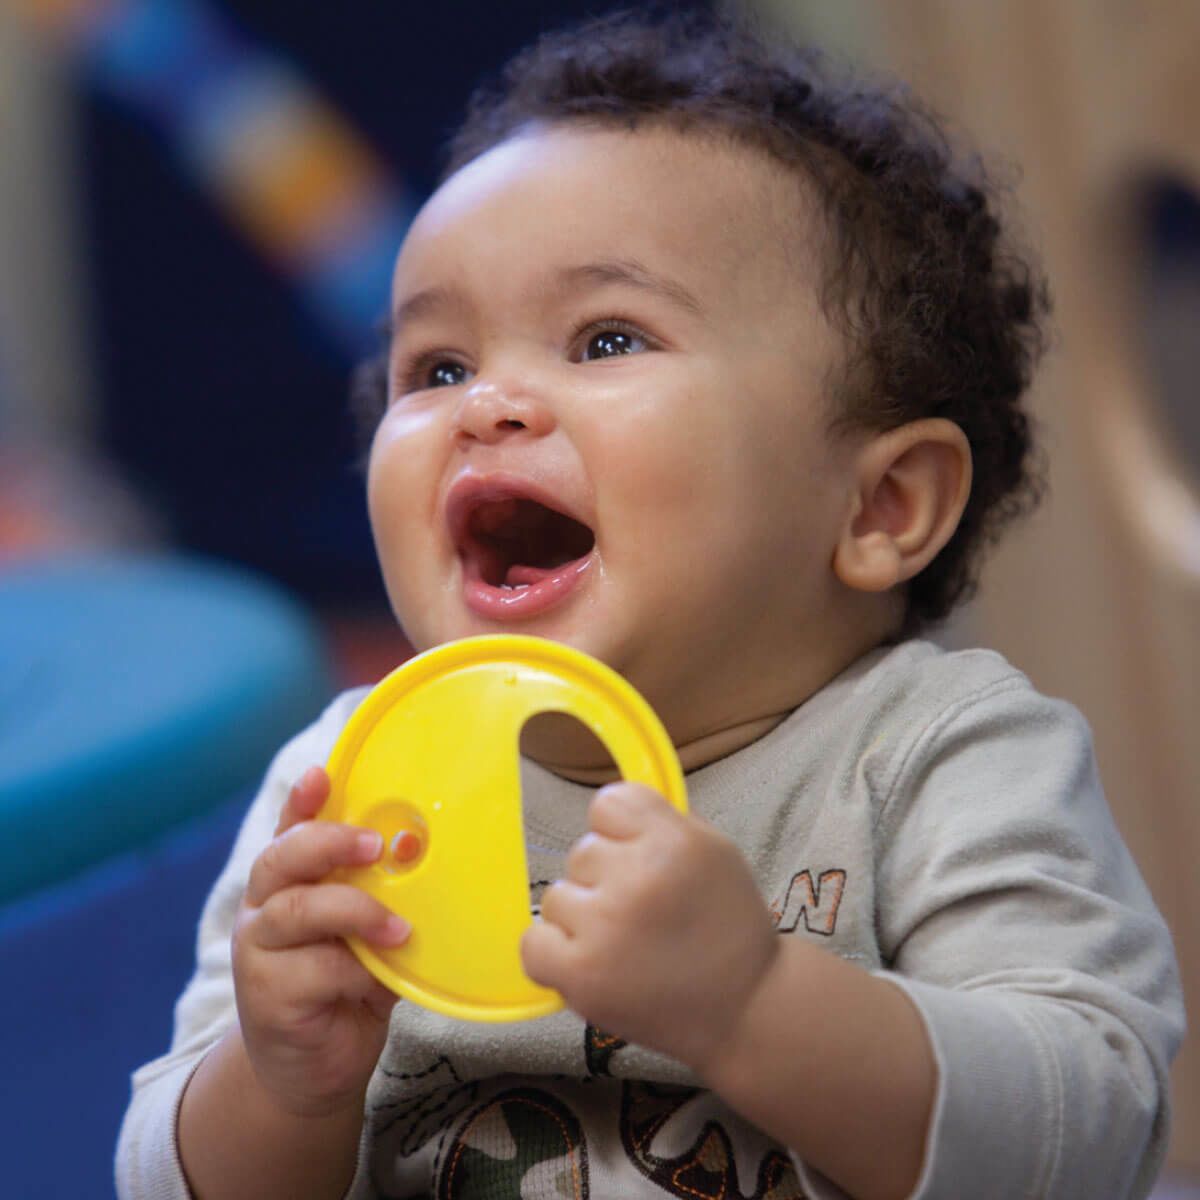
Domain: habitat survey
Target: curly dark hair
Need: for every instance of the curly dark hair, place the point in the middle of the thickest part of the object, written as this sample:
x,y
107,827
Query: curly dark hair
x,y
941,315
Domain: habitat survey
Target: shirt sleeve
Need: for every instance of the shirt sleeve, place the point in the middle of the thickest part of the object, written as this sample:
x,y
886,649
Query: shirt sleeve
x,y
147,1161
1012,914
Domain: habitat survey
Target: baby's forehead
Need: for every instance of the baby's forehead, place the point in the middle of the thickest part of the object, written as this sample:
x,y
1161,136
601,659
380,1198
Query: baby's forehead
x,y
726,213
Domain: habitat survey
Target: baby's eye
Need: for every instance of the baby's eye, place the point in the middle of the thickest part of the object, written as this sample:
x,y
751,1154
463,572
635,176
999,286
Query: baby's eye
x,y
608,343
445,374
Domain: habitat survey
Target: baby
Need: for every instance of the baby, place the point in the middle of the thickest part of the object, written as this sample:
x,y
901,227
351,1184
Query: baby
x,y
710,366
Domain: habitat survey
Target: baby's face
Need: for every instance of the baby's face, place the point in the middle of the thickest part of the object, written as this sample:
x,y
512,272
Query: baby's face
x,y
607,417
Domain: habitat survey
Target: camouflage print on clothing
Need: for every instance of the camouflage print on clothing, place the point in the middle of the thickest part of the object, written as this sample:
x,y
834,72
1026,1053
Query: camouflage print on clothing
x,y
523,1144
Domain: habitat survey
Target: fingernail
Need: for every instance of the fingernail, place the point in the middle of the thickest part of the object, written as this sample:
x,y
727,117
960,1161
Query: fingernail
x,y
395,930
370,845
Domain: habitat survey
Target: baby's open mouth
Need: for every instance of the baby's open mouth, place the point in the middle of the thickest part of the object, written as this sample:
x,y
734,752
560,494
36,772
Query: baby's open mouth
x,y
514,541
521,554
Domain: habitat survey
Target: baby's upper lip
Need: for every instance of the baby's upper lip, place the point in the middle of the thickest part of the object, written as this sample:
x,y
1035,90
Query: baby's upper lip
x,y
469,490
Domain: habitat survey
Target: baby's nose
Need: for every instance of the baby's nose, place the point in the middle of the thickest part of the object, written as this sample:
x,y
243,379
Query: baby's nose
x,y
492,410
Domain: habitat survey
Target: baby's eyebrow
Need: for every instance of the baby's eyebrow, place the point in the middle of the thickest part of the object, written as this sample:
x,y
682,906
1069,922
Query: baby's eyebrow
x,y
628,271
420,304
633,273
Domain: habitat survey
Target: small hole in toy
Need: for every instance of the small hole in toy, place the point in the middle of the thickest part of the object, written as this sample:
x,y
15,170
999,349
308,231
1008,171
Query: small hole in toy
x,y
406,846
405,837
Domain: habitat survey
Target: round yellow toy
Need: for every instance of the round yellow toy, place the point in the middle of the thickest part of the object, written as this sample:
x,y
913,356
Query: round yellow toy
x,y
430,759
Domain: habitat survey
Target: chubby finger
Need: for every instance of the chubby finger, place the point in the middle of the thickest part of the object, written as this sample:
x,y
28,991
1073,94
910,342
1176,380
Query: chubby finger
x,y
308,977
306,853
305,799
565,905
299,915
545,950
624,810
591,859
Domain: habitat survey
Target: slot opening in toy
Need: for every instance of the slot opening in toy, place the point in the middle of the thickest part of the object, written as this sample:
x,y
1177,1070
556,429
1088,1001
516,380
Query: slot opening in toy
x,y
562,743
561,740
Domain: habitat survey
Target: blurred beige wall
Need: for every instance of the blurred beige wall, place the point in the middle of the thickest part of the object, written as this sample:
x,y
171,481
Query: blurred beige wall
x,y
1098,598
42,276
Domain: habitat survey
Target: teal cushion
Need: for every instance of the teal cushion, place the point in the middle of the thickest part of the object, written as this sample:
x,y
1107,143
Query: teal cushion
x,y
135,693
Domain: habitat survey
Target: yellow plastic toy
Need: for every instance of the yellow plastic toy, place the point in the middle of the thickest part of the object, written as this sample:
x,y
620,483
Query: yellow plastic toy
x,y
430,759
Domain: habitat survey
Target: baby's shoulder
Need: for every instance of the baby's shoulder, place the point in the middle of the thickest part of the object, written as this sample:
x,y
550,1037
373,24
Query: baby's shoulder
x,y
905,708
920,676
912,683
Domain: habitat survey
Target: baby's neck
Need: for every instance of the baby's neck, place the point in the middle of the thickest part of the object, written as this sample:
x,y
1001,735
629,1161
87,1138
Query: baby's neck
x,y
696,753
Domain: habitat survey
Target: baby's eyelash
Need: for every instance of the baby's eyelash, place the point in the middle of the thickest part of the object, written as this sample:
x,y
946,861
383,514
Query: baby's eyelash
x,y
618,325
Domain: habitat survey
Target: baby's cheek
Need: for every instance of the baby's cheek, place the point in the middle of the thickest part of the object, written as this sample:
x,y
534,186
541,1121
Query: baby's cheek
x,y
410,585
400,503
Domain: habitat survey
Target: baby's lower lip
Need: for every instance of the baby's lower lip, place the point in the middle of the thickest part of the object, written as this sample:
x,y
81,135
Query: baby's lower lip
x,y
546,589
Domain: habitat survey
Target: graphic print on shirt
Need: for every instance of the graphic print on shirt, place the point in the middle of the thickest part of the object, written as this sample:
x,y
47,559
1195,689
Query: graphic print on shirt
x,y
816,904
598,1050
670,1137
536,888
431,1099
520,1143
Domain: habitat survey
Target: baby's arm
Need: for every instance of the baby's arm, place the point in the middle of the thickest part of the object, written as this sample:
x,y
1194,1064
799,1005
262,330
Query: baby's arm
x,y
835,1064
276,1108
1013,914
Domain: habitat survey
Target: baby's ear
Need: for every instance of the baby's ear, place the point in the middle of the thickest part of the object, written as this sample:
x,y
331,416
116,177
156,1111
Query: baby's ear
x,y
911,486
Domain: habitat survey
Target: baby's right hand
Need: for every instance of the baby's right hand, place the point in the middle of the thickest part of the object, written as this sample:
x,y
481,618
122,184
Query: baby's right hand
x,y
313,1019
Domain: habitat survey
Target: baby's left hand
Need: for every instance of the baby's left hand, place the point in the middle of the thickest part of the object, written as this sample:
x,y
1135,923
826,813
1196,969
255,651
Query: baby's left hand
x,y
657,934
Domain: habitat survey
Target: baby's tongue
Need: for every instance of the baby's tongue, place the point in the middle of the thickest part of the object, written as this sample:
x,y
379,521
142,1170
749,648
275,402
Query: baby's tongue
x,y
524,573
